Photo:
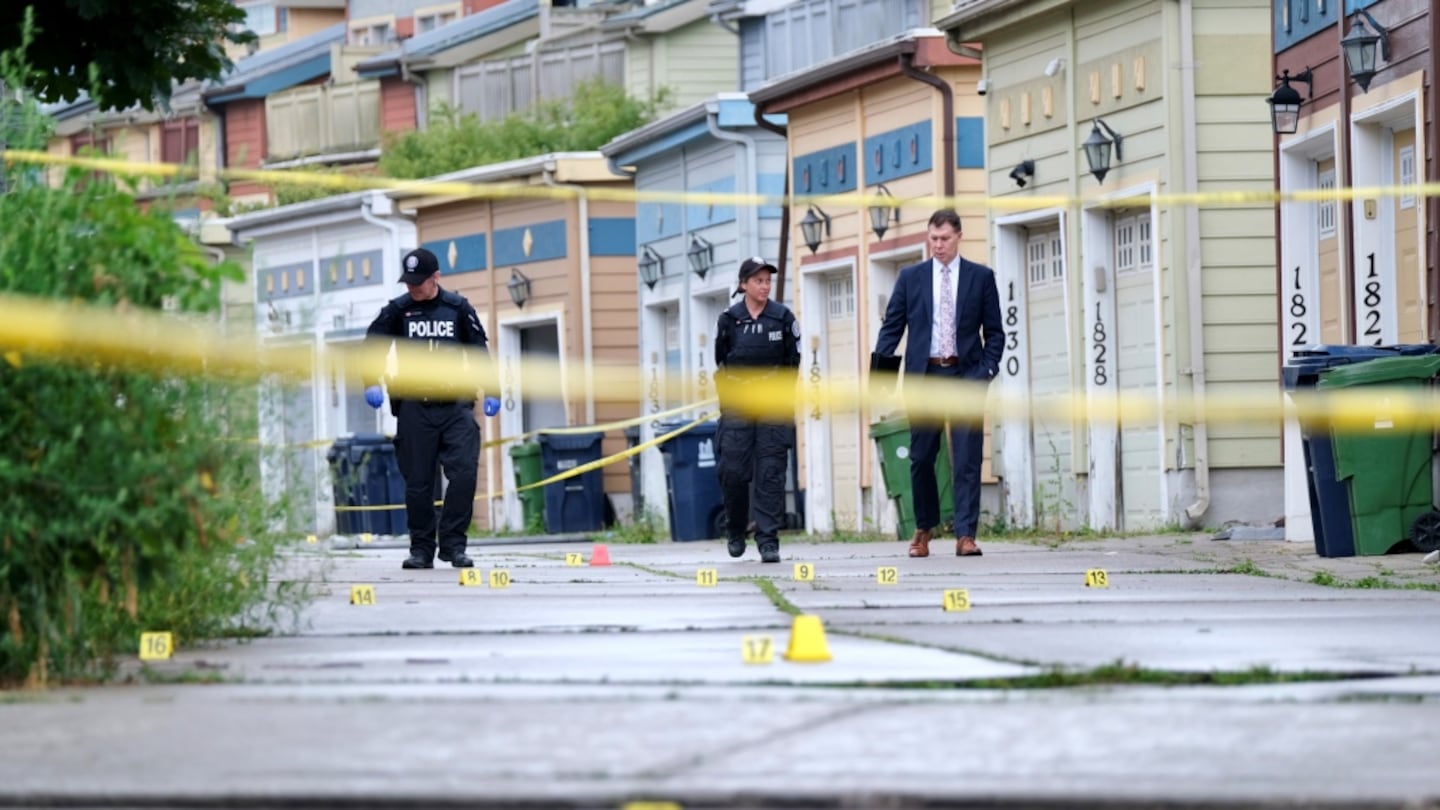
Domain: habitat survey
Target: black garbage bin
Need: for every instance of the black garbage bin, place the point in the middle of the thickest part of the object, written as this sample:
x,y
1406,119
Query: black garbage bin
x,y
576,504
696,503
364,472
1329,499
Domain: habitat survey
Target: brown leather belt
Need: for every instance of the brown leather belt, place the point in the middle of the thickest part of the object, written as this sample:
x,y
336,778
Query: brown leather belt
x,y
945,362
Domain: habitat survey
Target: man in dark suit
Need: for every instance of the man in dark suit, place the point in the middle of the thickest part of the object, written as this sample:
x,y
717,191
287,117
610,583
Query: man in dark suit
x,y
951,308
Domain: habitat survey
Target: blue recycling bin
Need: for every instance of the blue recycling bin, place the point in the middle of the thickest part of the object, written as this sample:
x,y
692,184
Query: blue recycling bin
x,y
575,504
365,472
696,504
1330,514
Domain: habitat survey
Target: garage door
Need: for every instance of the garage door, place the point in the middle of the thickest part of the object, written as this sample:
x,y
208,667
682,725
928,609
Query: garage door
x,y
1140,469
1054,496
840,331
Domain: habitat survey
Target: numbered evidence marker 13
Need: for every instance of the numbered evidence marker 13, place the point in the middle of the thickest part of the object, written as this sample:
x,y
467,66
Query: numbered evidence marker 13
x,y
1096,578
573,558
707,577
470,578
957,599
804,572
499,578
362,594
757,650
887,575
156,646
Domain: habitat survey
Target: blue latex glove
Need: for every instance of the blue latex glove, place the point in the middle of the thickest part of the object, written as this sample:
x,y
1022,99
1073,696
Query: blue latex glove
x,y
492,406
374,397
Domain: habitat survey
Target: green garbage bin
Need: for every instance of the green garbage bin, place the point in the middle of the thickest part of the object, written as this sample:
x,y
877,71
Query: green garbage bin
x,y
526,456
1387,468
892,442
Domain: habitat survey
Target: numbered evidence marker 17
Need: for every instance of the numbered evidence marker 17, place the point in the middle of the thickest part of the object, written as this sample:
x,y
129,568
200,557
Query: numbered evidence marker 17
x,y
707,577
957,599
757,650
1096,578
887,575
573,558
804,572
499,578
470,578
156,646
362,594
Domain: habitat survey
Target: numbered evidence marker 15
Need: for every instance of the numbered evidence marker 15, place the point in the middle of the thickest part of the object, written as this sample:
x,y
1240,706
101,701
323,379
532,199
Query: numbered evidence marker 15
x,y
757,650
362,594
804,572
957,599
499,578
707,577
573,558
887,575
470,578
1096,578
156,646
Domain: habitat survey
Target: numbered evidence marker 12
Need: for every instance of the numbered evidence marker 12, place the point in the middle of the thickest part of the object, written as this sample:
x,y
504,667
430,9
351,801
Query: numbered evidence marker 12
x,y
957,599
887,575
470,578
156,646
804,572
757,650
499,578
573,558
1096,578
707,577
362,594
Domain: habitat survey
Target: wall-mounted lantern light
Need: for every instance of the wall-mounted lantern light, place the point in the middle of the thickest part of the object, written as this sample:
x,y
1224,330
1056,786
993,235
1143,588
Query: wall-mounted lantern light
x,y
811,226
1285,101
1097,148
882,215
1359,47
701,255
651,266
519,287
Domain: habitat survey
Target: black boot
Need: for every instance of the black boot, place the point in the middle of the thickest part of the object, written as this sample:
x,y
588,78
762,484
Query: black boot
x,y
770,551
736,547
417,560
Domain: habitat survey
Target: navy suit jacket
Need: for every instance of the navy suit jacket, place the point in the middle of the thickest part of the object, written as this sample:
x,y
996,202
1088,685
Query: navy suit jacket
x,y
980,333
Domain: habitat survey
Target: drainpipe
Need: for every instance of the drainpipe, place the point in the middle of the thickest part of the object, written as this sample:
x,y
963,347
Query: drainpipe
x,y
367,214
1346,171
1200,435
784,256
712,121
947,127
587,339
1432,289
728,26
422,112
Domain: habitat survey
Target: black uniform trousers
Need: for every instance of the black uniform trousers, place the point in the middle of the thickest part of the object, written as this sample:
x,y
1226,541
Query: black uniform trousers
x,y
967,447
753,452
446,432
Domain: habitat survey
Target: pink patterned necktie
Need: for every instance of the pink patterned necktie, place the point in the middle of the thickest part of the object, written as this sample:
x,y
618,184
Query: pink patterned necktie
x,y
947,313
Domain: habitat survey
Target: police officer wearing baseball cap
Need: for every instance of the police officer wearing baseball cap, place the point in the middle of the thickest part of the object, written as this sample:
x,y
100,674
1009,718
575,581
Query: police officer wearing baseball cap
x,y
433,428
756,341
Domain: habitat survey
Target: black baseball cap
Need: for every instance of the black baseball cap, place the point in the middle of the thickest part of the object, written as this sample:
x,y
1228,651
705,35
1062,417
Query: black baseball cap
x,y
418,265
753,265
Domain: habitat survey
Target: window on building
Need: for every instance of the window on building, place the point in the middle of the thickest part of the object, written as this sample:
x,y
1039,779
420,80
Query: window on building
x,y
377,34
261,18
1044,258
1126,258
180,141
429,22
1326,213
841,297
1407,175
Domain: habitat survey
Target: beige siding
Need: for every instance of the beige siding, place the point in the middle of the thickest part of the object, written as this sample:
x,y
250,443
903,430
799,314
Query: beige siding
x,y
697,61
640,76
439,88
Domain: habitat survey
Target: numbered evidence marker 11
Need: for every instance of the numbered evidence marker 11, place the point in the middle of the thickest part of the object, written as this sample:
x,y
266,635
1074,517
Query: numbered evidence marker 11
x,y
887,575
573,558
362,594
757,650
957,599
156,646
499,578
1096,578
707,577
470,578
804,572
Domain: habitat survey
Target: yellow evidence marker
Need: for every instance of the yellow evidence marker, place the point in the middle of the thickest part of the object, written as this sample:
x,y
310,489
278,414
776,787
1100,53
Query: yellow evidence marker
x,y
362,594
311,539
757,650
156,646
499,578
804,572
470,578
366,537
957,599
1096,578
887,575
573,558
707,577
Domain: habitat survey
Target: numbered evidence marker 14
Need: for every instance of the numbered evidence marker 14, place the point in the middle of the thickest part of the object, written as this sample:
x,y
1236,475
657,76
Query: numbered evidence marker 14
x,y
573,558
757,650
1096,578
804,572
470,578
499,578
156,646
887,575
362,594
707,577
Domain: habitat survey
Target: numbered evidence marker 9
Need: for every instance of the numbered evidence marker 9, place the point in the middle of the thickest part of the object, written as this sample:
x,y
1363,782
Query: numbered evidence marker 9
x,y
573,558
499,578
470,578
362,594
957,599
804,572
887,575
156,646
1096,578
707,577
757,650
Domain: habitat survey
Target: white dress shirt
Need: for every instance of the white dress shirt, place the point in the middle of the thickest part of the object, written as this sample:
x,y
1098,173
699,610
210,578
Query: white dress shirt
x,y
936,266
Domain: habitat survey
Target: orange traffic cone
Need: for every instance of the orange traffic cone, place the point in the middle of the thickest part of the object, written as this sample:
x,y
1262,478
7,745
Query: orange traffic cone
x,y
600,556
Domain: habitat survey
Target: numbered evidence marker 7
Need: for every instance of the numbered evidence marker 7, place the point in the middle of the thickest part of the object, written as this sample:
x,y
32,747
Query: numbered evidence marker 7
x,y
156,646
707,577
757,650
957,599
362,594
804,572
470,578
573,558
887,575
499,578
1096,578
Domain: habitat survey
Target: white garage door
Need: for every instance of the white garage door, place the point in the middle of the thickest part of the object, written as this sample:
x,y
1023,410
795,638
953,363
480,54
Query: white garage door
x,y
1140,468
1055,506
840,329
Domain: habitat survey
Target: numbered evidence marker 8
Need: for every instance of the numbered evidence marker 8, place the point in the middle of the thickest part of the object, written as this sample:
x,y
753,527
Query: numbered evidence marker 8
x,y
573,558
757,650
499,578
470,578
957,599
707,577
804,572
887,575
156,646
1096,578
362,594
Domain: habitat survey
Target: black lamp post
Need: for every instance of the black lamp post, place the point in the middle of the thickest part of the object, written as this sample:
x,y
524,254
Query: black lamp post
x,y
882,215
1359,47
701,255
1097,148
651,267
1285,101
811,226
519,287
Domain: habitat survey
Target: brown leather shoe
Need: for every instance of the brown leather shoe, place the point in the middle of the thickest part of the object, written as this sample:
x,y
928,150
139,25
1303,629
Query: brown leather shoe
x,y
920,546
967,547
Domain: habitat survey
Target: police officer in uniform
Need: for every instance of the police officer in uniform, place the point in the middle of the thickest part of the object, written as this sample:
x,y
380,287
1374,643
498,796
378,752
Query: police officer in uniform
x,y
432,428
755,340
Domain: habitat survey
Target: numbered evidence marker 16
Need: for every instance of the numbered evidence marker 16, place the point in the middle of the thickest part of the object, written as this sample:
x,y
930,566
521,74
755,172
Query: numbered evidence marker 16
x,y
156,646
887,575
499,578
574,558
804,572
1096,578
362,594
757,650
707,577
470,578
957,599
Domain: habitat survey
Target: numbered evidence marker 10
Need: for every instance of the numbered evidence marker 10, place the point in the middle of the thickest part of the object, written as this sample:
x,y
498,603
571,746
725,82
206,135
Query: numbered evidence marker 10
x,y
1096,578
499,578
362,594
757,650
156,646
804,572
957,599
573,558
707,577
887,575
470,578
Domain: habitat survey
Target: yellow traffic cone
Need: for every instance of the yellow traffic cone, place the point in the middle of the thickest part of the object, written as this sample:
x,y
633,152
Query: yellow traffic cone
x,y
807,641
